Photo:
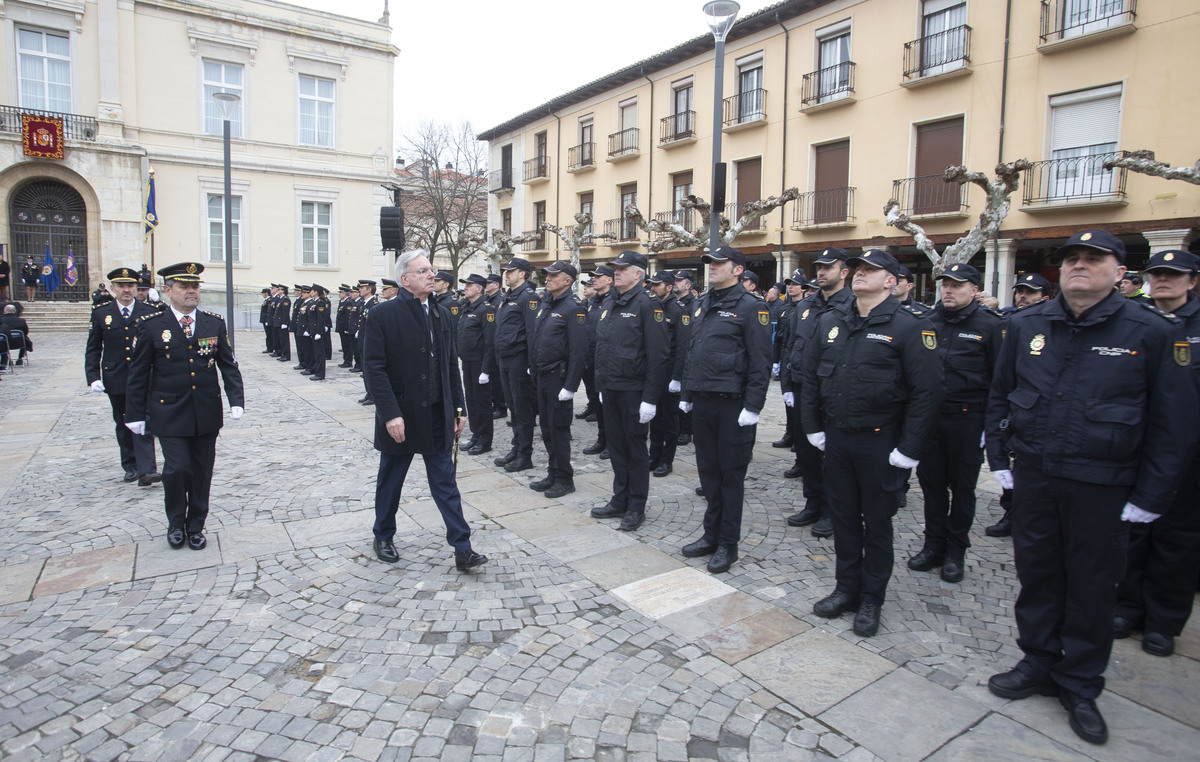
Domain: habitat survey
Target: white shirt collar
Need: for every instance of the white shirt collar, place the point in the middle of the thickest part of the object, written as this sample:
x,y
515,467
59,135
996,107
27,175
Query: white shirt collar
x,y
179,315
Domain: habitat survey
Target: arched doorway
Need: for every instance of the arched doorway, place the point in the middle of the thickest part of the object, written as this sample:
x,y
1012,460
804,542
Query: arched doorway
x,y
42,212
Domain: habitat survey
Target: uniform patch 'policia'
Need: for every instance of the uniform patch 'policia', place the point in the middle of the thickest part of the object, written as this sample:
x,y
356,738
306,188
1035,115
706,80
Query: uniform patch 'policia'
x,y
929,339
1183,353
764,318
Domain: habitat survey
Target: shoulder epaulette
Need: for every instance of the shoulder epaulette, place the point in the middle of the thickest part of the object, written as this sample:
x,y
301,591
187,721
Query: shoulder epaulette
x,y
213,314
1166,315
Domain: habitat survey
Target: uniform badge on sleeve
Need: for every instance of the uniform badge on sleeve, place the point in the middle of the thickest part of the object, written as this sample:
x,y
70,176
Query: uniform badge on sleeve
x,y
658,316
1037,344
929,339
805,315
1183,353
533,304
581,318
686,318
764,317
454,309
833,332
491,317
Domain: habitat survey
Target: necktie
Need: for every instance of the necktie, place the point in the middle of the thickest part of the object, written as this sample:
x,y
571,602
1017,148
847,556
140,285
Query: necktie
x,y
186,322
125,312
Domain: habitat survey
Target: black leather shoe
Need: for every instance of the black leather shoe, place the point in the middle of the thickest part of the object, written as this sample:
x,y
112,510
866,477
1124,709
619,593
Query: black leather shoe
x,y
145,480
1015,684
608,511
1158,644
793,472
498,414
316,378
595,448
1123,627
583,413
1084,717
1002,528
904,500
541,485
469,560
835,604
385,550
504,459
804,518
866,621
479,449
176,538
663,469
604,454
345,365
591,418
722,559
363,400
699,548
297,367
700,491
518,464
367,401
306,372
266,352
952,569
559,489
356,370
632,520
823,528
927,559
196,541
131,476
684,439
284,359
787,441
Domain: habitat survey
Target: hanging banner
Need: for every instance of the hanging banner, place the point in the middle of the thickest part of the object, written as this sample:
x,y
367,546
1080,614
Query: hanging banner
x,y
42,136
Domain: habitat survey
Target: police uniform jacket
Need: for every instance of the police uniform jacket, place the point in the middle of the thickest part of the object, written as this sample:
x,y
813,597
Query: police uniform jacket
x,y
677,334
477,335
781,313
452,306
398,362
632,344
110,342
297,306
264,311
515,319
173,380
363,309
560,338
1106,398
595,307
873,372
321,319
802,328
730,350
342,322
915,307
968,341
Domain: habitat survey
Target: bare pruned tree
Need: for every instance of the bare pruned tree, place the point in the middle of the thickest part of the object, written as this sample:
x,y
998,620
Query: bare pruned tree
x,y
676,236
1144,163
497,248
998,190
445,189
580,234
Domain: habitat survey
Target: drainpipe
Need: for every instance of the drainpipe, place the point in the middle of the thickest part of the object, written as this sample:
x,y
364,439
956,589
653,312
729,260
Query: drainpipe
x,y
650,151
1000,148
787,35
557,174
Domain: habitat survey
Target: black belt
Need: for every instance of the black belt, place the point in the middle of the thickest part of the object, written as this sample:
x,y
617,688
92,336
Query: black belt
x,y
717,395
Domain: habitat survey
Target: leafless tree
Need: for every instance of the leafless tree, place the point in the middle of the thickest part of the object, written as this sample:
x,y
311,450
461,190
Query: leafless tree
x,y
1144,163
998,190
580,234
498,247
676,236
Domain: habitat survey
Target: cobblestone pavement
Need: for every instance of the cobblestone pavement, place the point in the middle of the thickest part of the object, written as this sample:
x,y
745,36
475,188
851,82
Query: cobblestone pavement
x,y
287,639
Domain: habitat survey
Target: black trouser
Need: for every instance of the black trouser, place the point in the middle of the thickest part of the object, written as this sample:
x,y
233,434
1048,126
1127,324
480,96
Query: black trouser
x,y
358,352
137,450
1164,560
1069,547
270,338
479,402
554,417
948,473
812,465
502,395
187,477
685,423
317,357
863,494
515,370
723,452
792,422
303,350
593,398
283,343
347,347
664,429
627,449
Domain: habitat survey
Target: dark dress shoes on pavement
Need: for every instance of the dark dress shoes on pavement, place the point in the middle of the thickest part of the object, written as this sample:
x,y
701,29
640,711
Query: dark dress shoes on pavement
x,y
518,464
866,621
497,414
1002,528
1158,644
385,550
469,560
785,442
504,459
176,538
558,489
479,449
722,559
699,548
316,378
952,569
604,454
823,528
1084,717
835,604
595,448
145,480
1123,627
793,472
804,518
684,439
196,541
927,559
541,485
1015,684
700,492
632,520
608,511
131,476
662,469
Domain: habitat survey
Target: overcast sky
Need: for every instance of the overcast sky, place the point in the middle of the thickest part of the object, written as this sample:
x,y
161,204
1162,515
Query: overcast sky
x,y
485,61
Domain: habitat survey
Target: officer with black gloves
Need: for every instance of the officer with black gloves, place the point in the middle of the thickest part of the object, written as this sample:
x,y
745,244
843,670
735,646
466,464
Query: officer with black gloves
x,y
968,339
1097,403
871,388
724,388
515,320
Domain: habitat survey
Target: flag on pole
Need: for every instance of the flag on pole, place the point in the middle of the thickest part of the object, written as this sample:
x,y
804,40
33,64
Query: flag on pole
x,y
71,275
151,212
50,279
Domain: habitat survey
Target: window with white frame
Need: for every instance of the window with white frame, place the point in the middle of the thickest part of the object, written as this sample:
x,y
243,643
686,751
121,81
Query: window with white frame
x,y
222,77
1085,16
316,111
943,36
683,115
216,227
751,95
44,64
1084,130
316,224
833,62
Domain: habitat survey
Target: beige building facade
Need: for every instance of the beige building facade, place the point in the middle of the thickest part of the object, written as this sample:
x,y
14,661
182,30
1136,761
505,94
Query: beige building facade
x,y
855,102
311,140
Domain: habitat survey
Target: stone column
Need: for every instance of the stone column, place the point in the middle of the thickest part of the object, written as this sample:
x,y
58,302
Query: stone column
x,y
789,261
1001,262
1162,240
110,115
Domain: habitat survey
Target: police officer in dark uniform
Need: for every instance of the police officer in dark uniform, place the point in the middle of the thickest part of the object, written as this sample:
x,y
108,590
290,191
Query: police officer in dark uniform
x,y
477,351
905,285
631,363
283,312
558,353
174,392
664,427
871,386
725,387
515,323
294,324
685,294
443,294
1096,400
341,325
319,325
494,294
263,317
968,339
106,361
781,315
601,283
366,291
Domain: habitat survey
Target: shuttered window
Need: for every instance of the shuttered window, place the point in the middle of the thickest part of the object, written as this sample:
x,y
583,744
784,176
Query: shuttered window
x,y
1085,118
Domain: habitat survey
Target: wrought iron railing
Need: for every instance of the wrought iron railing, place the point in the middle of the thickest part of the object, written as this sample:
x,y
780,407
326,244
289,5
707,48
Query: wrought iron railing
x,y
621,228
685,217
832,206
930,194
500,180
828,84
734,211
1075,179
582,155
539,244
937,53
746,106
75,126
537,167
1062,19
675,127
623,143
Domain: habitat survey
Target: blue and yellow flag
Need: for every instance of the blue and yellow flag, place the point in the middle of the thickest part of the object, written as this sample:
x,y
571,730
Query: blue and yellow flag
x,y
71,274
50,279
151,213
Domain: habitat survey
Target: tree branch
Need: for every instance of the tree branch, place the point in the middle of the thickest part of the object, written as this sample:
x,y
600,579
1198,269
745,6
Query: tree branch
x,y
1144,163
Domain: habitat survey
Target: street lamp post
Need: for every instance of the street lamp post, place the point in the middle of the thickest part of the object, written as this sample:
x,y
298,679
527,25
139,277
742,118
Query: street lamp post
x,y
227,104
720,15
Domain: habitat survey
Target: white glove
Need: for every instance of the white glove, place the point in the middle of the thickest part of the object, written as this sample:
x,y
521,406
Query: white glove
x,y
685,406
600,396
306,333
98,386
152,295
900,460
137,427
355,333
775,369
565,395
817,440
235,412
982,439
1136,515
674,387
316,337
646,411
746,418
484,378
1003,478
284,327
789,399
528,372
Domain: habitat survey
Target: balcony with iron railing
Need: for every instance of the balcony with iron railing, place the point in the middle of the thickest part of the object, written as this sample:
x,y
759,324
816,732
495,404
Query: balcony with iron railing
x,y
733,213
1073,181
930,196
833,207
687,218
581,157
827,87
75,126
537,169
621,229
500,180
538,244
944,53
623,144
1066,23
746,109
677,129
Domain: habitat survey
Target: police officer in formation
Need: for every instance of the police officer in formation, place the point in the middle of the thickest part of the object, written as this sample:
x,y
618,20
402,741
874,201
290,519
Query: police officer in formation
x,y
664,427
443,294
477,352
725,387
557,356
514,333
494,295
366,293
264,317
315,325
686,295
601,283
793,293
345,312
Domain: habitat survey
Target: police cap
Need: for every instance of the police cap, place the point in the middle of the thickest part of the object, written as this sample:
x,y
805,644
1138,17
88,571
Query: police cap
x,y
1033,282
518,263
876,258
561,267
1174,259
475,278
1097,240
963,273
831,255
663,277
123,275
185,272
445,276
725,254
752,277
389,283
629,258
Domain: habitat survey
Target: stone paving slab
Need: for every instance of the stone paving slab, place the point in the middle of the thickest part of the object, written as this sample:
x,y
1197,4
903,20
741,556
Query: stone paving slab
x,y
539,522
155,558
349,527
695,622
244,543
506,500
1147,680
79,570
999,737
623,566
17,581
755,633
671,592
581,542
